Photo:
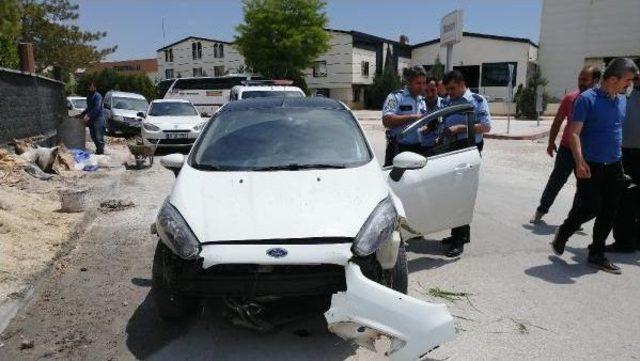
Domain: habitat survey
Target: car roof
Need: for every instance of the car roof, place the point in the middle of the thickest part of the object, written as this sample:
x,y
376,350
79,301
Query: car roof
x,y
266,87
75,97
125,94
283,102
171,101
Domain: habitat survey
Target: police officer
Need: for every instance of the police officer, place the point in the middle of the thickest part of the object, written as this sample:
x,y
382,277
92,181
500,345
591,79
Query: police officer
x,y
428,133
402,108
456,127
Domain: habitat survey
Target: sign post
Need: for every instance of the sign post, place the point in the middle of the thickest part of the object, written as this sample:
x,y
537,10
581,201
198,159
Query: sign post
x,y
451,33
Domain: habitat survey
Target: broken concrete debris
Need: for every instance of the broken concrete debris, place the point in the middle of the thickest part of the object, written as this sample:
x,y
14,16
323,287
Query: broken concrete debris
x,y
115,206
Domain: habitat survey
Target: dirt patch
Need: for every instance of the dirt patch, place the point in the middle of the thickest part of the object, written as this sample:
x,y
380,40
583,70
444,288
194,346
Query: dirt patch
x,y
31,233
115,206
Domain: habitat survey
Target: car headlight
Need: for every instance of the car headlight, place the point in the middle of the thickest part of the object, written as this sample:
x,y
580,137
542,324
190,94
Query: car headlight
x,y
175,233
199,126
119,118
377,229
150,127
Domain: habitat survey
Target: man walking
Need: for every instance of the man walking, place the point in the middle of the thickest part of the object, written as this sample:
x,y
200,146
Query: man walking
x,y
456,126
401,109
626,229
596,140
563,166
96,118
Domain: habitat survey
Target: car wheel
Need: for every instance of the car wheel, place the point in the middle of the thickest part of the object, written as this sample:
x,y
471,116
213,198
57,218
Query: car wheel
x,y
397,278
169,303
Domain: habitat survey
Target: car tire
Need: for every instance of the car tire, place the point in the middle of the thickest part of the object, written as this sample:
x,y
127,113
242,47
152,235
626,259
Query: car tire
x,y
169,303
397,278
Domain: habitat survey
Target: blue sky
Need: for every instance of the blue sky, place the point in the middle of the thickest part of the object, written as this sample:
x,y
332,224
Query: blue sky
x,y
136,25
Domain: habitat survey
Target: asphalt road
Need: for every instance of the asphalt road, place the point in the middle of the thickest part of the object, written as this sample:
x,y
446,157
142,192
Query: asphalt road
x,y
523,303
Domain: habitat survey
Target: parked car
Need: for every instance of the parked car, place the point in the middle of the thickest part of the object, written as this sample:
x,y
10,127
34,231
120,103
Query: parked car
x,y
239,92
76,104
171,123
285,197
121,112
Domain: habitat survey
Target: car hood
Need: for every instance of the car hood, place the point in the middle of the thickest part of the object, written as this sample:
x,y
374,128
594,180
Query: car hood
x,y
126,113
171,120
228,206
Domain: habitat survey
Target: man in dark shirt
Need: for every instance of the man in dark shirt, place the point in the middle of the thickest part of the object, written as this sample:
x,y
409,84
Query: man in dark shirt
x,y
596,140
96,118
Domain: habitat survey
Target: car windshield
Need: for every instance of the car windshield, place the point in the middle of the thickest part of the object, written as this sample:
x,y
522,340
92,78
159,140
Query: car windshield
x,y
281,139
140,105
172,109
79,103
270,93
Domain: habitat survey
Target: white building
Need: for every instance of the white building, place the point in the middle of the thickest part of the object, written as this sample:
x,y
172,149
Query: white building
x,y
346,70
483,59
575,33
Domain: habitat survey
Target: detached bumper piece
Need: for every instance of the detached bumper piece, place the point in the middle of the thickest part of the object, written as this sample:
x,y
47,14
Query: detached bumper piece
x,y
368,310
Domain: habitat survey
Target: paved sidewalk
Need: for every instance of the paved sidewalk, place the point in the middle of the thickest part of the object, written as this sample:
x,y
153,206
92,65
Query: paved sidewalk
x,y
518,129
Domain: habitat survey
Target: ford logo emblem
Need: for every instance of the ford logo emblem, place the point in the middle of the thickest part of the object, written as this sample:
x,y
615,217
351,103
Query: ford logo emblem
x,y
277,252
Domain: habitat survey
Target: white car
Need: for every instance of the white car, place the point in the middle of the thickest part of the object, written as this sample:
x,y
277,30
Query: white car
x,y
171,123
76,104
122,112
284,197
239,92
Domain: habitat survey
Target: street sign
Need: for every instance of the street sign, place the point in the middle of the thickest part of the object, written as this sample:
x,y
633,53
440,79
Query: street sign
x,y
451,33
451,28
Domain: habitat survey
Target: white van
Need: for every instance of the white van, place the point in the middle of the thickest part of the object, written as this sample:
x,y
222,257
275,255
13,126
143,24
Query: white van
x,y
239,92
207,94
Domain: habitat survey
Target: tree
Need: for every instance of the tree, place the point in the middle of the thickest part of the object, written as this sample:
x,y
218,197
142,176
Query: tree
x,y
10,11
526,97
108,79
48,24
279,39
383,84
437,71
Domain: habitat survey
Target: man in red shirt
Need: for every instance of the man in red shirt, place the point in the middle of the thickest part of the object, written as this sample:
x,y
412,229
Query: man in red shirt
x,y
564,164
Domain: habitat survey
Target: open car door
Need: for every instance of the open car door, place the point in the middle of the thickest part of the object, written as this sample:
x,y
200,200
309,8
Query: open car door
x,y
442,194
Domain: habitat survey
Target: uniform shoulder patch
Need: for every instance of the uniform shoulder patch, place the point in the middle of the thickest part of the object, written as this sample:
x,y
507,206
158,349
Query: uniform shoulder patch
x,y
478,97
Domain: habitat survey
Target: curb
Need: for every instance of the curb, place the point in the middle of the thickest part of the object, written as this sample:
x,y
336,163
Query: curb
x,y
533,136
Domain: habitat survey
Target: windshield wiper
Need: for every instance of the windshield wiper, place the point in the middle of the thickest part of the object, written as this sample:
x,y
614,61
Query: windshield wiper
x,y
296,166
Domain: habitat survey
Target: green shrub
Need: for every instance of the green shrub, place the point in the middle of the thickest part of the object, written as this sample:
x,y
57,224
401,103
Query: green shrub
x,y
383,84
107,79
525,98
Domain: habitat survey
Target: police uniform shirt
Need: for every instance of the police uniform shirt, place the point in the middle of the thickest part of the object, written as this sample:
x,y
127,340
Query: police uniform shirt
x,y
481,110
428,139
401,102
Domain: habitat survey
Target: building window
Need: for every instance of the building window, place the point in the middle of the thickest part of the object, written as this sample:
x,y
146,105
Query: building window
x,y
168,55
199,50
193,51
168,73
197,71
365,68
196,50
218,70
497,74
356,94
215,50
320,69
221,50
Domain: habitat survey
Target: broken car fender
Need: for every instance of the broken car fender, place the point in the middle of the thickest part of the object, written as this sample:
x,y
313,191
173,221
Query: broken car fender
x,y
368,310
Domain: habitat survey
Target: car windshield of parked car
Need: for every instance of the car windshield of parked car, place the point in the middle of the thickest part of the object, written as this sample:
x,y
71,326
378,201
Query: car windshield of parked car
x,y
79,103
163,109
140,105
270,93
281,139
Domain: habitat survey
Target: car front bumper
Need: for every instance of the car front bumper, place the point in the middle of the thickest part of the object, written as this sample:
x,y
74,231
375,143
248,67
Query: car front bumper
x,y
169,138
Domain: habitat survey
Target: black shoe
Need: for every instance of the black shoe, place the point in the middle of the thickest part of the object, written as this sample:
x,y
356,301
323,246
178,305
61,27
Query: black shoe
x,y
448,240
618,248
602,263
557,246
455,250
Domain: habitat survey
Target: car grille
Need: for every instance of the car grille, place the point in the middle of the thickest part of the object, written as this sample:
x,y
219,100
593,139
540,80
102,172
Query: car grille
x,y
177,131
285,241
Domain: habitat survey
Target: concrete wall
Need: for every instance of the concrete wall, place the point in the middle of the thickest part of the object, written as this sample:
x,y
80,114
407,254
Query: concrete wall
x,y
360,55
475,51
573,31
340,64
30,105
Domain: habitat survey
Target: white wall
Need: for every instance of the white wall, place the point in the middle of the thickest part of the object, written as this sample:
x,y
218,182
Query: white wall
x,y
183,62
475,51
574,30
360,55
340,65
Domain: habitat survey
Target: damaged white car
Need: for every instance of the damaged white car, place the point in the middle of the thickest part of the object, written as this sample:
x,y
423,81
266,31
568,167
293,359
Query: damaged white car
x,y
284,197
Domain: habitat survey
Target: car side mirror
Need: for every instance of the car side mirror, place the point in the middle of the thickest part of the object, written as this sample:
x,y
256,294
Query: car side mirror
x,y
409,160
173,162
141,115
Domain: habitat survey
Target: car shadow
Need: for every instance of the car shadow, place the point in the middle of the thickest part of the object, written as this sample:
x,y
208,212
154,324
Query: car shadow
x,y
430,247
301,330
